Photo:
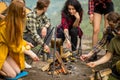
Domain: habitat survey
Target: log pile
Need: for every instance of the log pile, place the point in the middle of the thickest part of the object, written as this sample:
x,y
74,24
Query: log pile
x,y
101,75
59,63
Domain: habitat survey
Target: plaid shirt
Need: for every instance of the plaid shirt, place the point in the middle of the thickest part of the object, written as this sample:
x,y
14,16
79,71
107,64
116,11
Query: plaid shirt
x,y
90,6
93,3
108,34
35,22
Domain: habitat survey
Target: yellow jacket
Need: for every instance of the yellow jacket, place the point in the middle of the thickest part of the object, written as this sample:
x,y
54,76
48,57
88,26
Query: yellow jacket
x,y
15,52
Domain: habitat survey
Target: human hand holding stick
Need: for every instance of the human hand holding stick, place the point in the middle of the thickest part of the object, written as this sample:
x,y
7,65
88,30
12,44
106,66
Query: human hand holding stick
x,y
43,47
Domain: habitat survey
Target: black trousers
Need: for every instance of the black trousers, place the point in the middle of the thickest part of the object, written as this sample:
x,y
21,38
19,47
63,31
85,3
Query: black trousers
x,y
28,37
73,32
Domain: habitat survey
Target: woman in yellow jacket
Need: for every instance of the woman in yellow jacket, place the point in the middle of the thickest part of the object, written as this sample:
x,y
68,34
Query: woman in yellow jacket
x,y
12,45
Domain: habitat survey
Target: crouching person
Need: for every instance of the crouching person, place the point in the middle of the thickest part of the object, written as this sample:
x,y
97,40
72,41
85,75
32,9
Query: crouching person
x,y
113,53
12,45
38,25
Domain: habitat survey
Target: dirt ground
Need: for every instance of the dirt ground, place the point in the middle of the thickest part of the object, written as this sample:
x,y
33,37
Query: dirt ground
x,y
78,69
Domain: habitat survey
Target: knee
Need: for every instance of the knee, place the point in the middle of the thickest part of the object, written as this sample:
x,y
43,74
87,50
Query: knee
x,y
96,31
60,33
12,74
18,71
74,32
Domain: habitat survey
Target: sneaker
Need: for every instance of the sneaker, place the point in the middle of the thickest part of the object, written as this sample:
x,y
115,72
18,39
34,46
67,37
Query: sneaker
x,y
27,65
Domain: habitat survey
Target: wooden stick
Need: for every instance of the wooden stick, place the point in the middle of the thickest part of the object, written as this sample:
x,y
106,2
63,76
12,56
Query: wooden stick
x,y
61,62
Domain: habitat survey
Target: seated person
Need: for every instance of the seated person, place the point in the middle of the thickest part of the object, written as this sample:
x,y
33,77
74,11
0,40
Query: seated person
x,y
108,34
12,45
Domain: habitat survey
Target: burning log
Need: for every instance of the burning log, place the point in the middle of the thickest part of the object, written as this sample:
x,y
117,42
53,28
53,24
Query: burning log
x,y
46,67
61,62
57,71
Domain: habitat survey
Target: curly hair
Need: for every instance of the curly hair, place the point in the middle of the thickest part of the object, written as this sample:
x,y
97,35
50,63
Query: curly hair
x,y
76,5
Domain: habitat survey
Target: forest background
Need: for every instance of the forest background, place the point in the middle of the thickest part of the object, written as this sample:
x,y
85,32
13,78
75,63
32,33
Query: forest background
x,y
54,13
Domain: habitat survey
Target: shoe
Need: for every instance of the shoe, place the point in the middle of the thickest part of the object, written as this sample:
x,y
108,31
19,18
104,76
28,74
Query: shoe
x,y
20,75
27,65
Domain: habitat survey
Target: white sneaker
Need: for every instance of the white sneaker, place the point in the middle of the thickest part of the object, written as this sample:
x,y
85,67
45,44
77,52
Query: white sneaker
x,y
27,65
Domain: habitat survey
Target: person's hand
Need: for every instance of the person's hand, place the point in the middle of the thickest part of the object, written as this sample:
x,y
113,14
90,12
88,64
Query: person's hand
x,y
34,56
92,64
46,48
91,18
30,44
77,16
44,32
85,57
68,44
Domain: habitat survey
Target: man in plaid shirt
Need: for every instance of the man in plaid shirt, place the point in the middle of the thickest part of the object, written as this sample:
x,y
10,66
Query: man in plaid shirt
x,y
112,54
38,24
108,34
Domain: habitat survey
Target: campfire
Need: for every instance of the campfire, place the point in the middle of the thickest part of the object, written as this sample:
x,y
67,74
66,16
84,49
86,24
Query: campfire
x,y
62,56
62,63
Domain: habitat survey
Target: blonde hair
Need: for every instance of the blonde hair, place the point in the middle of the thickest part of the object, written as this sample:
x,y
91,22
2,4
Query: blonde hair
x,y
15,22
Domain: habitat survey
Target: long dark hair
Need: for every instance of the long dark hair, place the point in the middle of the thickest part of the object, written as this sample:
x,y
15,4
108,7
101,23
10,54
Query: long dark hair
x,y
76,5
